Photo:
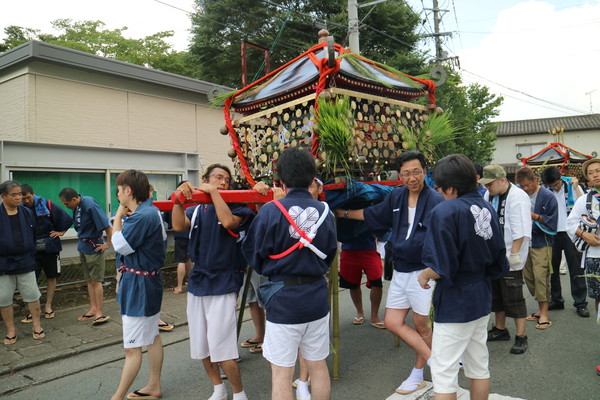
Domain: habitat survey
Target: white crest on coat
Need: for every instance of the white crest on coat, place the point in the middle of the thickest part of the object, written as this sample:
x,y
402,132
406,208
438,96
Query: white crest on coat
x,y
483,219
304,218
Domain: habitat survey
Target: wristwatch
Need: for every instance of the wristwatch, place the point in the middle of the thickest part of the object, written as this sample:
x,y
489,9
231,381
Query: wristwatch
x,y
346,214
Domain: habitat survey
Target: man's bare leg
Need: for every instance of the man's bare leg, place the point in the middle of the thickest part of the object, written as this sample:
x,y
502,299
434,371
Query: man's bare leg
x,y
319,376
375,297
480,389
50,290
131,367
281,388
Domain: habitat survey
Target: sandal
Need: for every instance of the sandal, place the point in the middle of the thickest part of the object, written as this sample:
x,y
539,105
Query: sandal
x,y
256,349
166,327
8,340
28,319
38,335
543,325
250,343
358,321
49,315
533,317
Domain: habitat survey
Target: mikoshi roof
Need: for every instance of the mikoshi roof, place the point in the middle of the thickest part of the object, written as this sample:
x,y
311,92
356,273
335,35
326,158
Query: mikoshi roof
x,y
300,76
556,153
314,71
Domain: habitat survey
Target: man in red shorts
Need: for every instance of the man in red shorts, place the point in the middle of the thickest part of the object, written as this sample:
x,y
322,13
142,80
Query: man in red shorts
x,y
358,256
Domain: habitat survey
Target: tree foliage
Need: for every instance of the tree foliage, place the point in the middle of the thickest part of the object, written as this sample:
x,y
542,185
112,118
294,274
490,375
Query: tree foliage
x,y
287,27
93,37
471,108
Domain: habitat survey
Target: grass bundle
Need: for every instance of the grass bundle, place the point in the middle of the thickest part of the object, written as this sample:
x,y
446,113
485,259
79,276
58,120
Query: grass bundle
x,y
335,127
436,130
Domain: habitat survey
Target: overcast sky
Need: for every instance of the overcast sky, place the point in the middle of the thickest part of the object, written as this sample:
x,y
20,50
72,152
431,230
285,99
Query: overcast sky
x,y
542,56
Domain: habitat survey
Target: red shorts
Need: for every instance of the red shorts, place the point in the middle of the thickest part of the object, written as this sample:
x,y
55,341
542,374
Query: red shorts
x,y
354,262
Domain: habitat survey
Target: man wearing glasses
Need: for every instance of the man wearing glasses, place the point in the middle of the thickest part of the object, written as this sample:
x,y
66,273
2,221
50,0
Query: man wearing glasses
x,y
567,191
406,211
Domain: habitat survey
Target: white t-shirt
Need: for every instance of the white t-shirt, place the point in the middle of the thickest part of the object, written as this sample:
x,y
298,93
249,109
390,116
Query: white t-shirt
x,y
517,222
411,219
562,208
578,210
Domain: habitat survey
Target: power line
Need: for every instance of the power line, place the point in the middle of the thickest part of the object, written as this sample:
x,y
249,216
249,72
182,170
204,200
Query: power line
x,y
527,94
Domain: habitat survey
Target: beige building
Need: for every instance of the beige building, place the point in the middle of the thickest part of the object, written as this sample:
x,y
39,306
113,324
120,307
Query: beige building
x,y
517,139
69,118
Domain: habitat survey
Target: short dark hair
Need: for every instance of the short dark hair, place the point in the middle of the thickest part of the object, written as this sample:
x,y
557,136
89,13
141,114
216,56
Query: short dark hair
x,y
68,194
456,171
478,169
137,181
550,175
524,173
7,186
296,167
210,169
25,189
409,156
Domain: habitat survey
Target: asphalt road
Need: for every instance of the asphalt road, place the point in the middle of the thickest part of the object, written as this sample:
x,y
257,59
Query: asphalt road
x,y
559,365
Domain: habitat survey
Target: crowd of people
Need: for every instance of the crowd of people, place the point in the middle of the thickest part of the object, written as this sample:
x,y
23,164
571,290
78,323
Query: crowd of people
x,y
459,253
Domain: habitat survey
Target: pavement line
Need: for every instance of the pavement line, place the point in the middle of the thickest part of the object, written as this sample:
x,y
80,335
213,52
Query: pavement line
x,y
427,394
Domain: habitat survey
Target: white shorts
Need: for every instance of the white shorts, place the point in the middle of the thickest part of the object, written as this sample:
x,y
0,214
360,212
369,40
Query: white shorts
x,y
282,342
450,342
213,327
405,292
381,249
139,331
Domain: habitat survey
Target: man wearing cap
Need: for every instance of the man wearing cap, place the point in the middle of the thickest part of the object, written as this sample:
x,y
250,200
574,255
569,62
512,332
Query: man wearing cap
x,y
567,191
513,207
544,217
588,208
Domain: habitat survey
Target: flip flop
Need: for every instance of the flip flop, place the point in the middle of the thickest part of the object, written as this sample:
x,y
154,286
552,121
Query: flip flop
x,y
139,395
358,321
165,327
256,349
49,315
543,325
250,343
38,335
417,385
176,292
378,325
8,340
85,317
27,320
533,317
100,320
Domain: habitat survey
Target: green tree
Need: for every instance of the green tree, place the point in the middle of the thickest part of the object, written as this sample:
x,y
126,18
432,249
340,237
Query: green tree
x,y
388,34
93,37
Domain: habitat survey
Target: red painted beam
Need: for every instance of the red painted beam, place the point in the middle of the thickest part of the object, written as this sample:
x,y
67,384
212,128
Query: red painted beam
x,y
242,196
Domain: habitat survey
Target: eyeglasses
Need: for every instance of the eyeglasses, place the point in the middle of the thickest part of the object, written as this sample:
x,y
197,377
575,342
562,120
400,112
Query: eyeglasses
x,y
220,177
14,195
415,173
555,186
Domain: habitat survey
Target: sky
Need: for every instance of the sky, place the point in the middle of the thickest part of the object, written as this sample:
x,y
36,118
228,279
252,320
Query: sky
x,y
539,55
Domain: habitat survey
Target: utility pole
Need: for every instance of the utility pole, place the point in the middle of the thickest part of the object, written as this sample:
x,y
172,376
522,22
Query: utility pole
x,y
353,22
590,95
353,26
440,55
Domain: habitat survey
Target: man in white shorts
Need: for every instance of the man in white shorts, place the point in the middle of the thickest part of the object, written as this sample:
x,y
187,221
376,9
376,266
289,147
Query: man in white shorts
x,y
296,294
464,249
215,279
140,242
406,211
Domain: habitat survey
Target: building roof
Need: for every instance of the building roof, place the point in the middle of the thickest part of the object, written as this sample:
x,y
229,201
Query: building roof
x,y
46,52
544,125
